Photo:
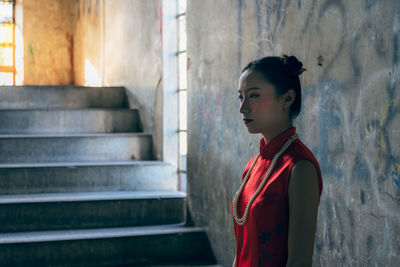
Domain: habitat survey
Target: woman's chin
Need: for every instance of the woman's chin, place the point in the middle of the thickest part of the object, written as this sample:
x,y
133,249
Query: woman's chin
x,y
250,130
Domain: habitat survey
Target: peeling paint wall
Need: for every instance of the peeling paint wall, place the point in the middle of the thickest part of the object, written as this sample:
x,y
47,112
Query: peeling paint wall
x,y
349,118
48,42
118,43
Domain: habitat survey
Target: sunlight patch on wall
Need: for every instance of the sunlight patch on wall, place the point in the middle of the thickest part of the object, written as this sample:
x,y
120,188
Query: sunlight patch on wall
x,y
92,78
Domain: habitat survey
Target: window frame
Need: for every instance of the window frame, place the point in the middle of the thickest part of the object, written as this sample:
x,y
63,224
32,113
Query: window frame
x,y
12,68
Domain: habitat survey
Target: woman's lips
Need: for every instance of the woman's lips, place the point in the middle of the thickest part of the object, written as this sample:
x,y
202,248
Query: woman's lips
x,y
246,121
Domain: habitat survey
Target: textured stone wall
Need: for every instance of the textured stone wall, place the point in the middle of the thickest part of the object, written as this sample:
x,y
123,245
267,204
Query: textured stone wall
x,y
349,118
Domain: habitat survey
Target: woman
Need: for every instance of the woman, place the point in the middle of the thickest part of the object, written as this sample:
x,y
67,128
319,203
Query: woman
x,y
275,208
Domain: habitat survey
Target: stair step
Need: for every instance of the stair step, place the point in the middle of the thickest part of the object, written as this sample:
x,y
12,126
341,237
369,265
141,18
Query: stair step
x,y
58,177
96,120
157,244
61,96
75,147
79,185
32,212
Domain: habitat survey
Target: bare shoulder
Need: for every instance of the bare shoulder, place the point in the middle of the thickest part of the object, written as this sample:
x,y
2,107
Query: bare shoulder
x,y
303,176
304,167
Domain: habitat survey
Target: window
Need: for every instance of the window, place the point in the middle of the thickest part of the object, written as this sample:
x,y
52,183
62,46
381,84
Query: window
x,y
182,90
7,42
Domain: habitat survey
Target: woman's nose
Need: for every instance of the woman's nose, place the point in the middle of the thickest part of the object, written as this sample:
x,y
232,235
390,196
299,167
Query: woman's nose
x,y
243,107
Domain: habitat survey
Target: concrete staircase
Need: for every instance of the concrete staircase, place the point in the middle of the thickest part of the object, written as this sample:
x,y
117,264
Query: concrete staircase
x,y
79,185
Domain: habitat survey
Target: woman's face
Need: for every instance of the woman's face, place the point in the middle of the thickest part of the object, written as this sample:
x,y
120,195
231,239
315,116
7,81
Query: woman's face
x,y
259,103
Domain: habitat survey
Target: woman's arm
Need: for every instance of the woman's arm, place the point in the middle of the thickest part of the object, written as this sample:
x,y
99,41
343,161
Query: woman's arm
x,y
303,209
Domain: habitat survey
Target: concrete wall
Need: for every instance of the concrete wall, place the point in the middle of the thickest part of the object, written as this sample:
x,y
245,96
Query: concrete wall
x,y
118,43
48,42
349,117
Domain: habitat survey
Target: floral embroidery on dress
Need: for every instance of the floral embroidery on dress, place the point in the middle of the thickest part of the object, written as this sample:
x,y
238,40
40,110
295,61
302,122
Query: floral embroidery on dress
x,y
265,237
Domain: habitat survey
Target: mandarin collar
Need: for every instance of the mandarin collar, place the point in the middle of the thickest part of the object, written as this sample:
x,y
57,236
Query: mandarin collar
x,y
268,150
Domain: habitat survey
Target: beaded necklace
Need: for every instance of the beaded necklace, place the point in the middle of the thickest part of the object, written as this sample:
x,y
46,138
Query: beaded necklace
x,y
242,220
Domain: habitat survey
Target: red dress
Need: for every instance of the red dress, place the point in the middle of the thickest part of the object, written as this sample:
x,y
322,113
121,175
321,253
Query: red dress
x,y
262,239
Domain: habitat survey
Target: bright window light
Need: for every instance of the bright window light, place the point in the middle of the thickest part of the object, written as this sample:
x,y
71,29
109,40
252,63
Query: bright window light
x,y
182,89
7,43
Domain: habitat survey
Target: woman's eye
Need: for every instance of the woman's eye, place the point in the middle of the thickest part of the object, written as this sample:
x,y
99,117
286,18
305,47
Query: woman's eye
x,y
252,95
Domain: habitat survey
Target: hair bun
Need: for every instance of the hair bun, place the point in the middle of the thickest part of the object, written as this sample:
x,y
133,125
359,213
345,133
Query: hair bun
x,y
292,65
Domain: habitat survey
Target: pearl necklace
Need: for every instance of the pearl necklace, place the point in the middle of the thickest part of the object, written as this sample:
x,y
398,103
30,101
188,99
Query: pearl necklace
x,y
242,220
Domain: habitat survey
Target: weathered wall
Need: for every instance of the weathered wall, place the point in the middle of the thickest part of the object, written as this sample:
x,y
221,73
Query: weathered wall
x,y
88,42
118,43
48,42
349,118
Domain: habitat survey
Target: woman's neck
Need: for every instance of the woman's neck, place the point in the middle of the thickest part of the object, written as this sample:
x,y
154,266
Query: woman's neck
x,y
271,133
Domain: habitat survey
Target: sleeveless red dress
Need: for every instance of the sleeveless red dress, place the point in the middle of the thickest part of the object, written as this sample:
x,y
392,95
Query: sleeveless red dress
x,y
263,239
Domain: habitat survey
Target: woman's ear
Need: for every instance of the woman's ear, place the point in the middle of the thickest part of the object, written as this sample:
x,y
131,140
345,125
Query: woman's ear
x,y
289,97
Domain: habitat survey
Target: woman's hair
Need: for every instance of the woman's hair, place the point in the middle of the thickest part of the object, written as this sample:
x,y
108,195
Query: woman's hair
x,y
282,72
